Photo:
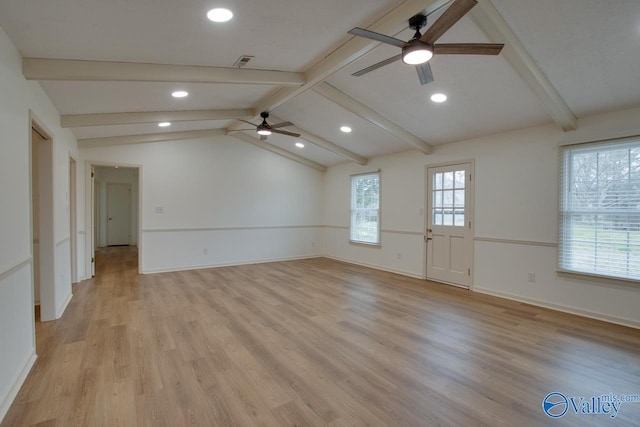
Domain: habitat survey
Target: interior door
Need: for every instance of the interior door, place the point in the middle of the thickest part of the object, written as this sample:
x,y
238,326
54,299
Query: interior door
x,y
118,214
449,234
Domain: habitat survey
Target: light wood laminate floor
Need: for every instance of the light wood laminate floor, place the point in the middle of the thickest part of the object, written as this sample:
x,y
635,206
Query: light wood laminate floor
x,y
311,343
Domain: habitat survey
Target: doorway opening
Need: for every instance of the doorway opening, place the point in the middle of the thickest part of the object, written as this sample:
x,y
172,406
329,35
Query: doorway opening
x,y
115,210
73,219
449,224
43,245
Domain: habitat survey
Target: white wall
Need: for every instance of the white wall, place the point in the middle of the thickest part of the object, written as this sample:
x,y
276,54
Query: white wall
x,y
219,201
19,97
516,199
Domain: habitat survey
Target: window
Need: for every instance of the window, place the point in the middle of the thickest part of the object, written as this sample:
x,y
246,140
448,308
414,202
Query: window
x,y
447,198
365,208
600,209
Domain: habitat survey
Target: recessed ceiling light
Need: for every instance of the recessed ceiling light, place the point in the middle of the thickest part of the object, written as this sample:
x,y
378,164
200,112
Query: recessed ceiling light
x,y
180,94
164,124
345,129
220,14
299,145
438,97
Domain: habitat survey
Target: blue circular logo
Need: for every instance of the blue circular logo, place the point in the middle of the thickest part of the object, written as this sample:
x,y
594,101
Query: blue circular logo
x,y
555,404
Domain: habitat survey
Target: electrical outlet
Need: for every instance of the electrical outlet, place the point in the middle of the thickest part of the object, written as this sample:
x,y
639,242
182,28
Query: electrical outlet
x,y
399,255
205,251
531,277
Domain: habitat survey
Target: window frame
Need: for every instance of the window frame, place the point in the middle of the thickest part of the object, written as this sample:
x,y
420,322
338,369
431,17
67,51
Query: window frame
x,y
565,229
352,209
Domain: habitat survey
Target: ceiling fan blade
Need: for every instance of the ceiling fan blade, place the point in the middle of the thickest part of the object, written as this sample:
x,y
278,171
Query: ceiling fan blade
x,y
284,132
241,130
281,125
263,137
378,65
249,123
468,49
450,16
424,73
361,32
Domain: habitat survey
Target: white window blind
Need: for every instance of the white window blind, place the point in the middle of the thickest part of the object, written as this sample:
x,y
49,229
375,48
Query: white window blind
x,y
365,208
600,209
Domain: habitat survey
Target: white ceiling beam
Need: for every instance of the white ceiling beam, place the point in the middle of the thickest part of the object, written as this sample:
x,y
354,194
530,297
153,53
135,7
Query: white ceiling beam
x,y
106,119
76,70
392,23
337,96
149,137
489,19
277,150
356,47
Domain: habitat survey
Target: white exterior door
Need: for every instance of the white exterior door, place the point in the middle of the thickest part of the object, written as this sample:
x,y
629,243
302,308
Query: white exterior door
x,y
449,233
118,214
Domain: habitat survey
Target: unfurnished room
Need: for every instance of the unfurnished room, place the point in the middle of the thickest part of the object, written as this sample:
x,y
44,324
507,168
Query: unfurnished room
x,y
319,213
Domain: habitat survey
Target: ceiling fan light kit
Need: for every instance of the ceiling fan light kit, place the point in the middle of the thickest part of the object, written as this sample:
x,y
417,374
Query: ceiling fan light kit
x,y
416,52
264,129
421,48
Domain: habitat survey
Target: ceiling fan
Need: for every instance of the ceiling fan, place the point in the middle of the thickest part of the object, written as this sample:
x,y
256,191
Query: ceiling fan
x,y
264,129
421,48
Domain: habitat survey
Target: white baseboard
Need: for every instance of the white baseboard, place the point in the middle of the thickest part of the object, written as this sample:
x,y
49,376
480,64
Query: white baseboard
x,y
15,388
376,267
63,307
231,264
558,307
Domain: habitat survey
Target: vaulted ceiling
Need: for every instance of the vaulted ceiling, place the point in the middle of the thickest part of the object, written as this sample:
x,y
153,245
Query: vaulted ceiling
x,y
110,67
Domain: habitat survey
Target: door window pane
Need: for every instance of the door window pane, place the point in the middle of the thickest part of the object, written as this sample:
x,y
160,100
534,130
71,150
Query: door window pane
x,y
437,181
459,218
448,180
437,217
459,180
448,198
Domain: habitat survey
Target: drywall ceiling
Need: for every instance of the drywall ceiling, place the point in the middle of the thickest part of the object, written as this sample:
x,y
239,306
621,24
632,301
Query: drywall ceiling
x,y
587,48
562,60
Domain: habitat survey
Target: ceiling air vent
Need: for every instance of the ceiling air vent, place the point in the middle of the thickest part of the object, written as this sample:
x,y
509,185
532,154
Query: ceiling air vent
x,y
242,61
